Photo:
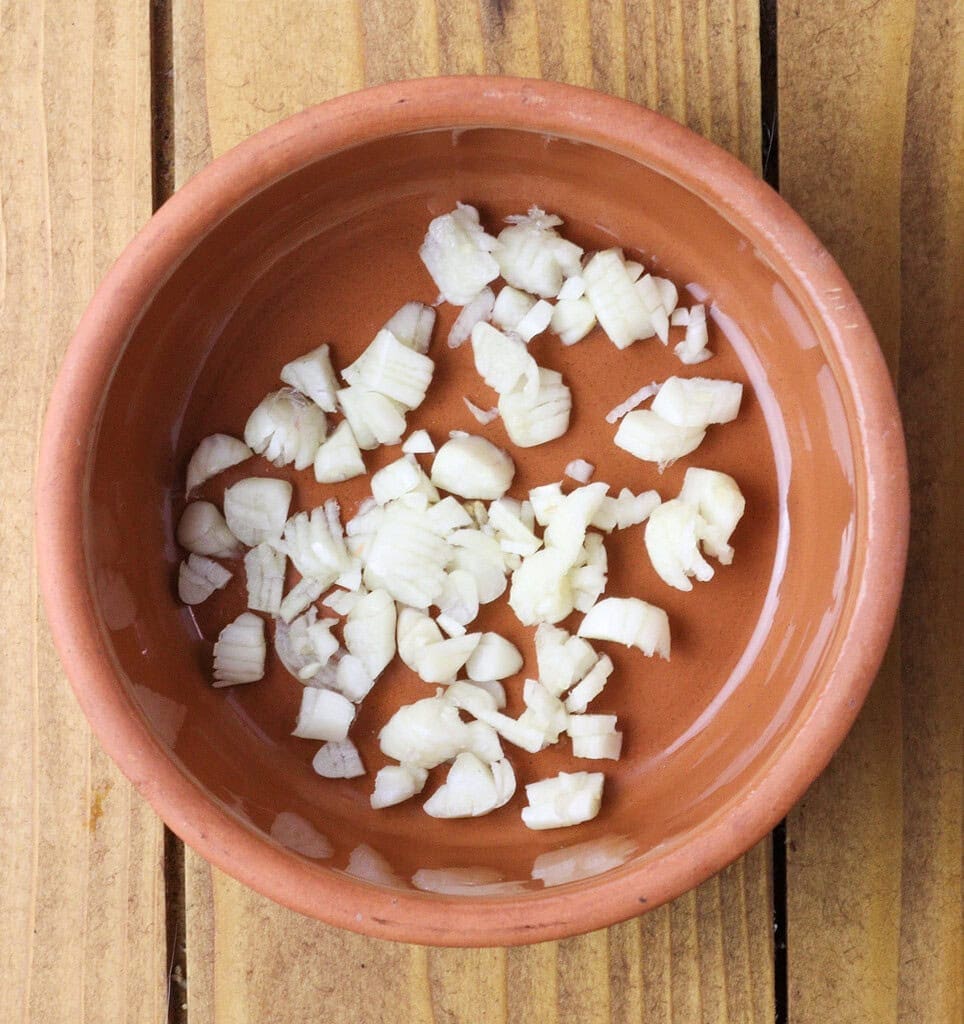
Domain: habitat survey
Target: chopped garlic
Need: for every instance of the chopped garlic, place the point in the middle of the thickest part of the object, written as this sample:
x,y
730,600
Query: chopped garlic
x,y
653,300
479,309
472,788
214,455
673,543
535,321
440,662
352,679
505,518
374,418
510,307
324,715
341,602
634,269
302,594
315,543
590,686
598,747
286,427
415,631
483,416
567,799
264,569
580,470
535,418
370,631
540,590
544,499
717,498
635,399
574,288
424,734
203,531
532,255
338,760
668,294
256,509
633,509
459,600
693,348
292,643
239,651
679,318
566,528
494,658
198,578
697,402
483,741
324,644
615,300
407,558
589,574
339,457
418,443
563,660
502,360
472,467
412,325
401,477
492,686
482,556
392,369
649,437
591,725
544,711
313,375
396,783
629,621
457,253
447,515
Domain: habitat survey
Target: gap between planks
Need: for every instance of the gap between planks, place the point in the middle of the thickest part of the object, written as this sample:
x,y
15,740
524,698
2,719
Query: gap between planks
x,y
163,179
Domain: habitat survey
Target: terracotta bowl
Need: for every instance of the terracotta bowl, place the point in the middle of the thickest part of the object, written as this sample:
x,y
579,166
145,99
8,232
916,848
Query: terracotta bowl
x,y
308,232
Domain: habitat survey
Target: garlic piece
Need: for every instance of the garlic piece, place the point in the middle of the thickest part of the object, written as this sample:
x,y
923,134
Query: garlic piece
x,y
339,457
392,369
477,310
633,509
286,427
505,518
457,253
534,417
447,515
482,556
590,573
256,509
315,543
563,660
544,500
324,715
302,594
540,590
697,402
403,476
629,621
567,523
566,799
693,348
544,711
535,321
615,300
396,783
597,748
472,788
374,418
717,498
653,301
472,467
440,662
635,399
532,256
264,569
673,535
338,760
590,686
198,578
415,631
418,443
482,416
203,531
352,679
407,558
459,600
580,470
412,324
649,437
424,734
370,631
239,651
214,455
572,319
510,307
502,360
313,375
323,643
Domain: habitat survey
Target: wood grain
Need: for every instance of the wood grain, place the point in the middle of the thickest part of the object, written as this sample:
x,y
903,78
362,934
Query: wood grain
x,y
870,99
81,899
235,73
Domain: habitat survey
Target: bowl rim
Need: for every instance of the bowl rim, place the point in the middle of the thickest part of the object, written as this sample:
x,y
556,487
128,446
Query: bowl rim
x,y
70,429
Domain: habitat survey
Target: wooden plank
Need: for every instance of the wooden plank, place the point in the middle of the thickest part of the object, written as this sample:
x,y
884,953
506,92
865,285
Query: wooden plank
x,y
82,899
870,105
241,66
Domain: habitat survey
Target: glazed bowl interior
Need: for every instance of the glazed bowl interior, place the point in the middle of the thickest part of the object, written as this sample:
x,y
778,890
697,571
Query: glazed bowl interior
x,y
325,252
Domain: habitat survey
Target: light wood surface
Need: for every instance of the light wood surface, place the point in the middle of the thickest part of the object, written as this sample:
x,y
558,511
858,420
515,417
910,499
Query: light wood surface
x,y
870,103
81,874
874,849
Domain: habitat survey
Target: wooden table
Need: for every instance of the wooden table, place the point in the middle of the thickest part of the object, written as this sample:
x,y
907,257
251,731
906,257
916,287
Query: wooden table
x,y
849,913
